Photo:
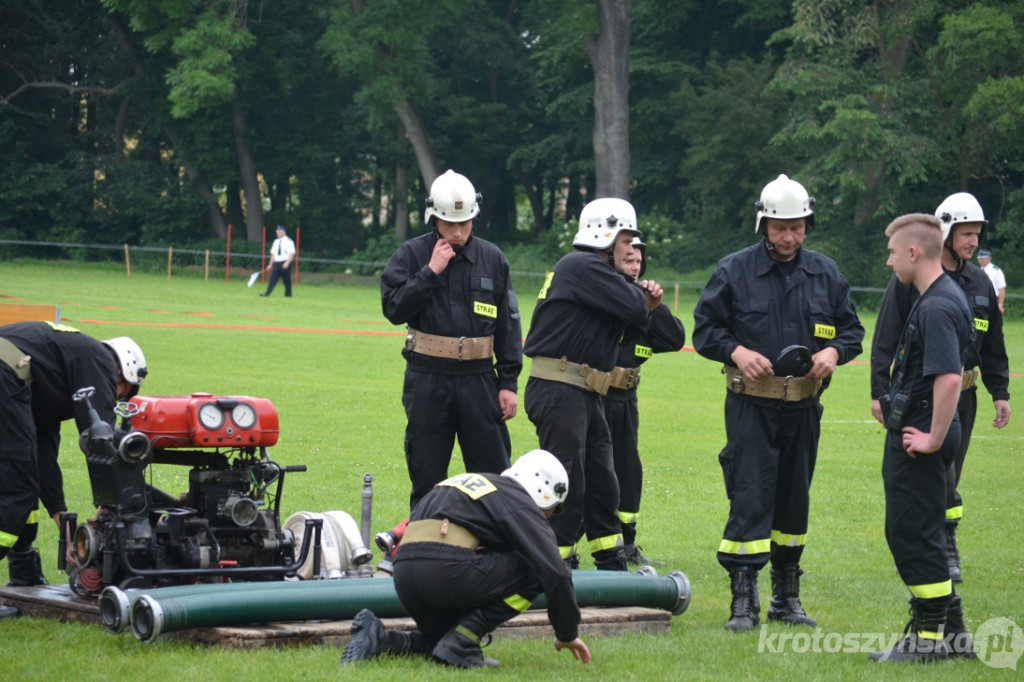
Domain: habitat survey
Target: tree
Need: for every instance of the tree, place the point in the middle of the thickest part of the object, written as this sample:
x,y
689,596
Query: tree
x,y
609,55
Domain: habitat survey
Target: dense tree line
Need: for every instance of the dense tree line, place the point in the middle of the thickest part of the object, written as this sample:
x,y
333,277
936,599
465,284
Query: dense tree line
x,y
163,121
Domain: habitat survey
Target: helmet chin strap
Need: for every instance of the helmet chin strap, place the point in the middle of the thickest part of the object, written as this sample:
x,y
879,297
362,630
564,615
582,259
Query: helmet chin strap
x,y
949,247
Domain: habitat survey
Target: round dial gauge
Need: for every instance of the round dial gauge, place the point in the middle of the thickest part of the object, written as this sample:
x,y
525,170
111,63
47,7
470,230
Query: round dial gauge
x,y
244,415
211,416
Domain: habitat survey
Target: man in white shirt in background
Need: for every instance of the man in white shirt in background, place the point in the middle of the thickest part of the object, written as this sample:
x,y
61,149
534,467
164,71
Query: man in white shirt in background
x,y
282,253
995,273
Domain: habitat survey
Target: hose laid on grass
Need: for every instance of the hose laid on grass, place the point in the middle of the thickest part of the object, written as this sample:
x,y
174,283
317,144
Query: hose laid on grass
x,y
156,611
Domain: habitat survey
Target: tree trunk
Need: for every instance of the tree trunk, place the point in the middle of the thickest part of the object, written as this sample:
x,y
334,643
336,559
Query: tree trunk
x,y
400,203
417,136
250,181
609,56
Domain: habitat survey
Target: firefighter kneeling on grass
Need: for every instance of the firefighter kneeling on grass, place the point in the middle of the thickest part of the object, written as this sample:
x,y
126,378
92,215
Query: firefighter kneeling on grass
x,y
478,551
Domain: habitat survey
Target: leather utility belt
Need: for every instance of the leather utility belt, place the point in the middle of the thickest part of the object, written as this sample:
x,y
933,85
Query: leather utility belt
x,y
625,377
786,389
580,376
970,379
452,347
441,531
13,357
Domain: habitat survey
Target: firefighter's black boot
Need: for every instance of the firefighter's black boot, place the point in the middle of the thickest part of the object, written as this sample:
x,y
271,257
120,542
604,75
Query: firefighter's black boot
x,y
923,639
785,605
958,637
613,559
634,555
460,646
25,568
371,639
746,602
955,574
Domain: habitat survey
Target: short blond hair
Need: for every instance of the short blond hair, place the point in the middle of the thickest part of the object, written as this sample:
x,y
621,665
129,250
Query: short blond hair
x,y
921,229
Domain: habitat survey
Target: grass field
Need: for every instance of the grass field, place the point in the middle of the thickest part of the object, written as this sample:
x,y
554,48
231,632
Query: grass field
x,y
330,363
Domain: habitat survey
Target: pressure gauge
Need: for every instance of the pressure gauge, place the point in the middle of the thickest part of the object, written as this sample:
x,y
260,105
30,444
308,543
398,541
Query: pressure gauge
x,y
244,415
211,416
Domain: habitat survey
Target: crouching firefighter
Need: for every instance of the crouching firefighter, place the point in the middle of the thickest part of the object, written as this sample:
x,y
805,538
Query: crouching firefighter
x,y
42,364
478,551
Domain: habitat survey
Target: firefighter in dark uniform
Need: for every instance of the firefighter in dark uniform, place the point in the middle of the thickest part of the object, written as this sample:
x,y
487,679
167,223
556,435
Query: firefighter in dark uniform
x,y
464,347
478,551
583,310
666,335
922,438
42,365
780,318
962,221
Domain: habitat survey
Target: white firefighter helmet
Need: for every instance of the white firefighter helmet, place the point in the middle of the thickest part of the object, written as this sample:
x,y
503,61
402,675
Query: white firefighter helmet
x,y
639,246
957,208
452,198
543,476
130,359
602,220
784,199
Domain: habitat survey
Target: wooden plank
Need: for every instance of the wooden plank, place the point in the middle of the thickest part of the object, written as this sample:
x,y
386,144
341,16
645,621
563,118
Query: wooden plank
x,y
23,312
59,602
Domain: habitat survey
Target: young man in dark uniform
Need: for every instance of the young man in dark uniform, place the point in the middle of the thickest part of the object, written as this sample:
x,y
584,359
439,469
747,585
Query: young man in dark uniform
x,y
962,221
478,551
666,335
464,347
922,438
780,318
583,310
42,365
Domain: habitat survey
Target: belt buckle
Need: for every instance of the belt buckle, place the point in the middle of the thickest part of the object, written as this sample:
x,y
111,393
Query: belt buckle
x,y
736,385
410,340
785,390
462,340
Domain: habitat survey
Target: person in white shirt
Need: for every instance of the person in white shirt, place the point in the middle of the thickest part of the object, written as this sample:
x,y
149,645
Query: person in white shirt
x,y
995,273
282,253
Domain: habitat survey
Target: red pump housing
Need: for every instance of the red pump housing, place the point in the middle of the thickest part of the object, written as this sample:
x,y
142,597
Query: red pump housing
x,y
206,420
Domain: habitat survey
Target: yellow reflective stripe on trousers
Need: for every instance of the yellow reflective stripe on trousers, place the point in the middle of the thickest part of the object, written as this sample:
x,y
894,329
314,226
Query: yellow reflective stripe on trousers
x,y
955,513
787,540
745,547
7,540
565,550
518,602
607,542
33,516
932,590
628,517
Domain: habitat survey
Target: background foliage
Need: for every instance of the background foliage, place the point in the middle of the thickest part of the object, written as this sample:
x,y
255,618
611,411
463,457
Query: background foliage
x,y
159,122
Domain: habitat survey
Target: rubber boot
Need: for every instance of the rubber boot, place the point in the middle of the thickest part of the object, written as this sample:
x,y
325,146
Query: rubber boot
x,y
460,646
923,639
613,559
25,568
785,605
634,555
746,602
958,637
371,639
955,574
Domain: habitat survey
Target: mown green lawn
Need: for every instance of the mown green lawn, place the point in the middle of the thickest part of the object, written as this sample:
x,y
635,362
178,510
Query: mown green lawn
x,y
331,365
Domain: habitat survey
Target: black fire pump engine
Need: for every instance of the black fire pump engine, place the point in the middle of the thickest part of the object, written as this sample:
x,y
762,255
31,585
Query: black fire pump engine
x,y
226,527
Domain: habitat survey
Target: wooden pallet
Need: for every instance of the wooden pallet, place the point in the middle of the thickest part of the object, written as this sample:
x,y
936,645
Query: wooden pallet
x,y
59,602
23,312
